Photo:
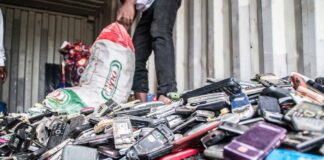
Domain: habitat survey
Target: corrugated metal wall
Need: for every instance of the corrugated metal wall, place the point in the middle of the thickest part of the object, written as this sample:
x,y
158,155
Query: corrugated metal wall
x,y
32,38
213,38
223,38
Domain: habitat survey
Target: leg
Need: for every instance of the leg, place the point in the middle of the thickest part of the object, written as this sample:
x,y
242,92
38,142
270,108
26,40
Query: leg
x,y
165,12
143,48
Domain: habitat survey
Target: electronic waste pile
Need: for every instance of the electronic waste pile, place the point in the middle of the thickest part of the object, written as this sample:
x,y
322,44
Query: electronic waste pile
x,y
268,118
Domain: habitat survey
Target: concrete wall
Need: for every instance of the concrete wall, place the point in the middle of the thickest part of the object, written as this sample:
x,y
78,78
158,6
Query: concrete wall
x,y
222,38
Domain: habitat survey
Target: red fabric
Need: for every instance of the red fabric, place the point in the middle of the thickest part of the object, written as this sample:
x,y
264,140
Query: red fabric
x,y
117,33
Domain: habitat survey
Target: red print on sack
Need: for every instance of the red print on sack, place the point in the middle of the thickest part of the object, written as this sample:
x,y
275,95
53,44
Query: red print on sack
x,y
117,34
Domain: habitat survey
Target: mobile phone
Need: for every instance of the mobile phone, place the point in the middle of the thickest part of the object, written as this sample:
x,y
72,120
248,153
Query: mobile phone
x,y
205,98
108,152
189,123
252,121
307,110
22,137
105,108
320,80
193,136
213,138
187,153
283,95
308,124
54,150
57,134
81,152
230,86
140,122
174,120
270,79
255,143
123,133
86,111
103,138
153,145
215,152
269,104
241,105
211,102
304,141
233,128
306,116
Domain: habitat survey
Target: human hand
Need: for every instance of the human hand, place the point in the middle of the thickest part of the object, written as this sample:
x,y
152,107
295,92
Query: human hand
x,y
126,13
3,74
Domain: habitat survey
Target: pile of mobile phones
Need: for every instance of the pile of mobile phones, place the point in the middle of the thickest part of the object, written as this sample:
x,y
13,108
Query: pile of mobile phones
x,y
271,118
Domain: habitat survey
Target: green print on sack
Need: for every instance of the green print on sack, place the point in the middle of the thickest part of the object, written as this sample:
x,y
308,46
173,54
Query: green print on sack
x,y
112,80
65,100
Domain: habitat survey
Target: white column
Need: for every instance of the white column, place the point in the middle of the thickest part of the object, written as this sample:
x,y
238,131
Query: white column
x,y
195,44
241,39
309,37
227,38
279,43
319,32
255,37
274,44
181,46
216,38
291,35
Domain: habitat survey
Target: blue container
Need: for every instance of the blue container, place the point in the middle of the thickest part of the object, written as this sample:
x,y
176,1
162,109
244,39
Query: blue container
x,y
282,154
150,97
3,108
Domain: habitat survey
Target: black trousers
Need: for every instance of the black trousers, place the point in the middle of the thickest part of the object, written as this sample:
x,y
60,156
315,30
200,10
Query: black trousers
x,y
154,32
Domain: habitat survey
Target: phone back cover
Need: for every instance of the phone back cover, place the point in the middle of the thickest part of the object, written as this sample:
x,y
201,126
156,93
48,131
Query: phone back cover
x,y
256,143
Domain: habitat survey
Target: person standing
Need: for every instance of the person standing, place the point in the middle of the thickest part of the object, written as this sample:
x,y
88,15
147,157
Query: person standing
x,y
153,33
